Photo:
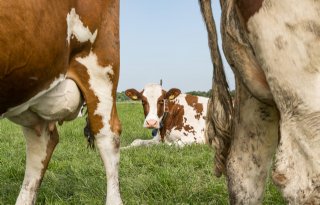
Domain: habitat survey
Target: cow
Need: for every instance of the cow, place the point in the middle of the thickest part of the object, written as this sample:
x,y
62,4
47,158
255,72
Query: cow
x,y
54,55
273,48
175,118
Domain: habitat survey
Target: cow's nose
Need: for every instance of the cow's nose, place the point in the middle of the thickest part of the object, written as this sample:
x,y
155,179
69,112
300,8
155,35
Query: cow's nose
x,y
151,123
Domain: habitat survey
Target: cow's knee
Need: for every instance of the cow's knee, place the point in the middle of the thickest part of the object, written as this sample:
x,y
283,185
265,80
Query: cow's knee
x,y
116,125
298,185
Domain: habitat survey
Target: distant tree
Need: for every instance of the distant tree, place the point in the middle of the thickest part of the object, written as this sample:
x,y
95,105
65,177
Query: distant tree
x,y
121,97
207,94
232,93
200,93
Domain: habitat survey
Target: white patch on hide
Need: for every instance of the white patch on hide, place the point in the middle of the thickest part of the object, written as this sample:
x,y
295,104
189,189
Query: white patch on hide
x,y
101,85
76,28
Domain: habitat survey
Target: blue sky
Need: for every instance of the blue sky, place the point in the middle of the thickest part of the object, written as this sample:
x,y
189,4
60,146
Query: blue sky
x,y
165,40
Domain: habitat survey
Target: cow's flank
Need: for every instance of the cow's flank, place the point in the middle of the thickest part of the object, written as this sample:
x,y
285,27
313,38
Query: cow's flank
x,y
54,56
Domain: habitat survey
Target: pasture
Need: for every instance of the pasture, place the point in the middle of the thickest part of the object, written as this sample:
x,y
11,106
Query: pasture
x,y
148,175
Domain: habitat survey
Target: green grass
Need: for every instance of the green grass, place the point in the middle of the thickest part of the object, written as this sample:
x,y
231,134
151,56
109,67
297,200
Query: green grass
x,y
148,175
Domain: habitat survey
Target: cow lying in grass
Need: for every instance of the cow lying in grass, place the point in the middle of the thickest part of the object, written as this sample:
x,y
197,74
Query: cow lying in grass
x,y
175,118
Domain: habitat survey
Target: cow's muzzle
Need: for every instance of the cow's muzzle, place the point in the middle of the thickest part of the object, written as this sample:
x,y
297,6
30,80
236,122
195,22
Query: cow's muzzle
x,y
152,124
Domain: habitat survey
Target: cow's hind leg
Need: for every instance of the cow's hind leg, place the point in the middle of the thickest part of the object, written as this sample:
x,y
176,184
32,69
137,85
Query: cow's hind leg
x,y
255,140
297,169
285,39
40,145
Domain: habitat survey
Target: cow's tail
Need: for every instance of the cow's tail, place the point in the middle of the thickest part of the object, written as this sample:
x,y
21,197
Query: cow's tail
x,y
219,122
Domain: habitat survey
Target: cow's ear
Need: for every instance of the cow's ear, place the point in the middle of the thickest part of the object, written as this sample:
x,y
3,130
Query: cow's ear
x,y
133,94
172,93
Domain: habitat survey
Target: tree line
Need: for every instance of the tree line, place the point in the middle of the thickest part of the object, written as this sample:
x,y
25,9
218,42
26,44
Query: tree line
x,y
121,96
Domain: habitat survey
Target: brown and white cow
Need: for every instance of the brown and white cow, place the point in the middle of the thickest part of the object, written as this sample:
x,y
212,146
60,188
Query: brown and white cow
x,y
274,49
52,54
176,118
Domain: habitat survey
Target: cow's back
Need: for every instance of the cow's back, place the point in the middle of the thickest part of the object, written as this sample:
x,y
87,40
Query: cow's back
x,y
195,110
189,122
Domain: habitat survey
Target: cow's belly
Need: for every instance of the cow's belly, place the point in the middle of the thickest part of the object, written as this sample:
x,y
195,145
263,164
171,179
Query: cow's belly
x,y
62,102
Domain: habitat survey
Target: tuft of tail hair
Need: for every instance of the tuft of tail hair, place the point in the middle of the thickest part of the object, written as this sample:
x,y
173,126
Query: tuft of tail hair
x,y
87,131
88,134
220,109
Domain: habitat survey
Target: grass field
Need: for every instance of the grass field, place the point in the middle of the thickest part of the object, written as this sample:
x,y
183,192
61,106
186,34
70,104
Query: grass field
x,y
148,175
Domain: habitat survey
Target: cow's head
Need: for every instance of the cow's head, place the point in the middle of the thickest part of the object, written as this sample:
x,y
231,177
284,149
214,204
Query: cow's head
x,y
154,100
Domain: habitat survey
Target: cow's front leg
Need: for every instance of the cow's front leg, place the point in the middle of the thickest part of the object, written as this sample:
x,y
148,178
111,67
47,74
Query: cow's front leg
x,y
255,140
40,146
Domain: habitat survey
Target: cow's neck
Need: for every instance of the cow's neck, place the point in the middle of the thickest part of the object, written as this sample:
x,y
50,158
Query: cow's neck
x,y
165,114
163,119
173,118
